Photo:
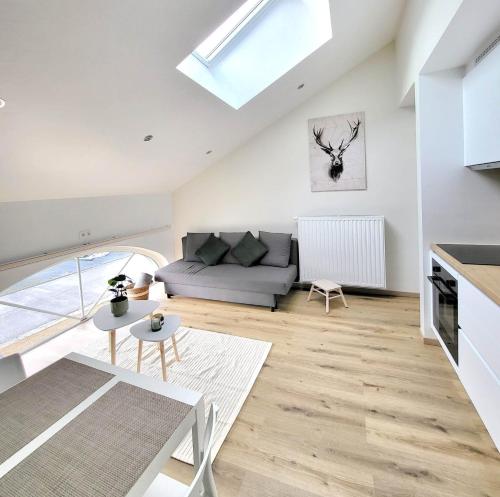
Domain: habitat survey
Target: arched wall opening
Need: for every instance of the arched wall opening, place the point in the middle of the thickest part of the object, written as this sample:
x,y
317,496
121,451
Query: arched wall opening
x,y
55,295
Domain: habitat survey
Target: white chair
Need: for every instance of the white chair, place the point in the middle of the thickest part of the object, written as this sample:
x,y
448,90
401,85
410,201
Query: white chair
x,y
164,486
11,371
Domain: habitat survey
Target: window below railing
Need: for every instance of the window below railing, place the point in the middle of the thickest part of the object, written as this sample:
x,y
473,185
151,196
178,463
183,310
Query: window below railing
x,y
61,296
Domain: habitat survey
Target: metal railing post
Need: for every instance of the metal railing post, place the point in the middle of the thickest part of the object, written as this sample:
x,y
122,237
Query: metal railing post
x,y
82,306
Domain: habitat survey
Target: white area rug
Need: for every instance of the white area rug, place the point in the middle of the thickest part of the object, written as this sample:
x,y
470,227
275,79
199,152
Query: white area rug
x,y
222,367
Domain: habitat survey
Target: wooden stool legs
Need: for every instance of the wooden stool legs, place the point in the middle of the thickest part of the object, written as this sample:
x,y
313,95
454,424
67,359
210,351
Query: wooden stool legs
x,y
326,293
161,347
112,346
174,346
139,356
163,363
310,293
343,298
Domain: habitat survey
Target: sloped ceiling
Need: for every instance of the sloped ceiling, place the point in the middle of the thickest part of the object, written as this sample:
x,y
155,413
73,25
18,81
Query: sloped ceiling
x,y
473,27
85,81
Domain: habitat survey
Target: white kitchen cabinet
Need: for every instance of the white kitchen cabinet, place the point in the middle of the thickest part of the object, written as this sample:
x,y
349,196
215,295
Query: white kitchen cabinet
x,y
479,353
481,111
479,318
478,347
482,386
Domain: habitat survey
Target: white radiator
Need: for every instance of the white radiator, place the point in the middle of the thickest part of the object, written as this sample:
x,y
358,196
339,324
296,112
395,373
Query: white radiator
x,y
349,250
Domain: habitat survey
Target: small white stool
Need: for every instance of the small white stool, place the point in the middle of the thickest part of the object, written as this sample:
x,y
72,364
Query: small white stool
x,y
325,287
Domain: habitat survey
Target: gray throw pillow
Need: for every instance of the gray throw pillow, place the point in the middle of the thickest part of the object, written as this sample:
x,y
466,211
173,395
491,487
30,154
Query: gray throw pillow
x,y
193,242
278,245
232,239
212,250
249,250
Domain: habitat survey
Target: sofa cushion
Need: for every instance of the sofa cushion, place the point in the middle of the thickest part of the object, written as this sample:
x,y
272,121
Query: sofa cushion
x,y
249,250
260,279
232,239
212,250
193,242
278,245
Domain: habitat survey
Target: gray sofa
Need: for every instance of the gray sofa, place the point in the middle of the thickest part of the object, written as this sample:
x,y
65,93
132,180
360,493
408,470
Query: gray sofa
x,y
256,285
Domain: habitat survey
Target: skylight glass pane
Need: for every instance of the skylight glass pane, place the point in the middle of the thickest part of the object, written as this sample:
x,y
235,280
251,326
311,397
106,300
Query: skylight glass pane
x,y
238,61
213,45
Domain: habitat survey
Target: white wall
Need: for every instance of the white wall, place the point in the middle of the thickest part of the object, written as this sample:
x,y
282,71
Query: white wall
x,y
422,25
33,228
435,40
266,182
457,205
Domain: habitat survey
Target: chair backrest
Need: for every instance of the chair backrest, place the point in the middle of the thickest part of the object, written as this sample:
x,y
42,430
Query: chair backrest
x,y
204,474
11,371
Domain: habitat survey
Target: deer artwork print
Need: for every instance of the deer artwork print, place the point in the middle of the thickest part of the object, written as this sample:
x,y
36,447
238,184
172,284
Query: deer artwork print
x,y
337,153
337,163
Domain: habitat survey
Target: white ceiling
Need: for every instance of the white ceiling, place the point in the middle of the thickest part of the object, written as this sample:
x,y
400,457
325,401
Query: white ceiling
x,y
85,81
473,27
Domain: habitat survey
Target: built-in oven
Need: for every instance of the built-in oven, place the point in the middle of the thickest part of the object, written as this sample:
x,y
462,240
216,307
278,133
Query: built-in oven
x,y
445,307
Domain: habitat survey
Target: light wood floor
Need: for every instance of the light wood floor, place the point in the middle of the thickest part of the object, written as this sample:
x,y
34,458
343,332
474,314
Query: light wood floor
x,y
350,404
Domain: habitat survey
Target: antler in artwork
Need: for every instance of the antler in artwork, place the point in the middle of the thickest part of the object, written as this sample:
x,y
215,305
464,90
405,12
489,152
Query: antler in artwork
x,y
336,159
354,134
318,136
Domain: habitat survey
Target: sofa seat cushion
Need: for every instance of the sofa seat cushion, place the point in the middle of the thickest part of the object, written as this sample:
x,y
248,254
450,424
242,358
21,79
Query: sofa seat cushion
x,y
260,279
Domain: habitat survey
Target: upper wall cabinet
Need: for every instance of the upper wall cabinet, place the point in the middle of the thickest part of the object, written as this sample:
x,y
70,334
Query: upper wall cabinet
x,y
481,87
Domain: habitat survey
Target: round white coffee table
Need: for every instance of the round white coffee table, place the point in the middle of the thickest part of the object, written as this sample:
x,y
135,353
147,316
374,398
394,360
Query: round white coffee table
x,y
105,321
142,331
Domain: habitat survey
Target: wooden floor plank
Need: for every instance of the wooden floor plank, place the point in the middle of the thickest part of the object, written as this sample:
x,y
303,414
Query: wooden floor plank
x,y
348,404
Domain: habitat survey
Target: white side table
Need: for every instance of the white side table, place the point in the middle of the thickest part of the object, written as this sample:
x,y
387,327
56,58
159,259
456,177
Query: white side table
x,y
325,287
105,321
142,331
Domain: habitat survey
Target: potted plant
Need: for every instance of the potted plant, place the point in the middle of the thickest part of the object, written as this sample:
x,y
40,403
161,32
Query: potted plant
x,y
119,303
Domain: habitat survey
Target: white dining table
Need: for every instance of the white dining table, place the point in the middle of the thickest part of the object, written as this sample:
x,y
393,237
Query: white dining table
x,y
193,420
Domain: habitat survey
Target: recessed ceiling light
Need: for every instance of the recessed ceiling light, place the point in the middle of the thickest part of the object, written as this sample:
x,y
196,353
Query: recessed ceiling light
x,y
148,138
208,152
2,103
300,86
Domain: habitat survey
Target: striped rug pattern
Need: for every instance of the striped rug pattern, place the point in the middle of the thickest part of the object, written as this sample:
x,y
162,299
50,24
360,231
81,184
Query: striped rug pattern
x,y
222,367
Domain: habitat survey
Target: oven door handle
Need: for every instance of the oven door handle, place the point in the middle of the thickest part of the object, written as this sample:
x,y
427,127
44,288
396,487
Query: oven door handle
x,y
434,280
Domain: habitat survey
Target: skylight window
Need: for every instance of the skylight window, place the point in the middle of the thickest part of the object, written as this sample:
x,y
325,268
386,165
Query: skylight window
x,y
208,49
256,46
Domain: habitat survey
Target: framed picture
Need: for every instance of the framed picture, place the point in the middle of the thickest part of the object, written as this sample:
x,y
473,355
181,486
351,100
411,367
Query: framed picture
x,y
337,157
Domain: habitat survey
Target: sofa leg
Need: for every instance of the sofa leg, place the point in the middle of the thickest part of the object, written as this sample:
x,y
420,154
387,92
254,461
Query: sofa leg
x,y
275,306
169,295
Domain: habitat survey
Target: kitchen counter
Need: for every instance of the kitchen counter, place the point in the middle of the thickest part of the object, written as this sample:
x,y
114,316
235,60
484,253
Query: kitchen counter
x,y
485,278
469,329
